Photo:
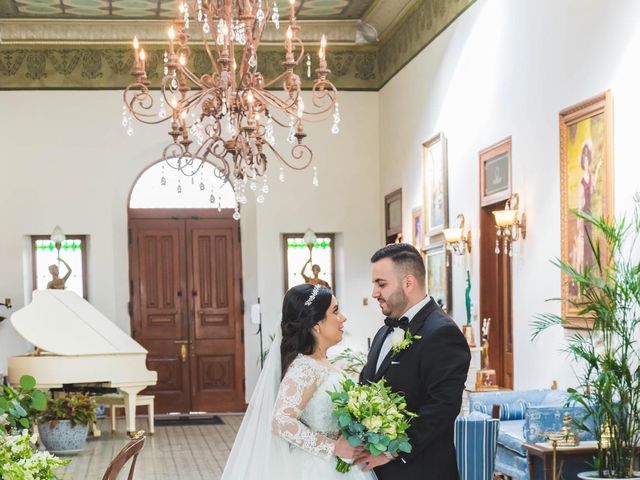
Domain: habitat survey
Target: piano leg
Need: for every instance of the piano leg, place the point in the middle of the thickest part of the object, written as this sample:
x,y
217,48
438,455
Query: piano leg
x,y
130,394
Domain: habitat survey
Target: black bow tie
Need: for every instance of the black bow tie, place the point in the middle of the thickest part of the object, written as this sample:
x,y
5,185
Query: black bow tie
x,y
403,322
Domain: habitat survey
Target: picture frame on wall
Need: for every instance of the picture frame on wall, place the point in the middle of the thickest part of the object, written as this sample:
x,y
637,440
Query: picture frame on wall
x,y
438,269
393,216
417,227
495,173
586,184
434,181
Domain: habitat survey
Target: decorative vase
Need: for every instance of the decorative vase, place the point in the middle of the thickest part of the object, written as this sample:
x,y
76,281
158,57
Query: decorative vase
x,y
593,475
63,439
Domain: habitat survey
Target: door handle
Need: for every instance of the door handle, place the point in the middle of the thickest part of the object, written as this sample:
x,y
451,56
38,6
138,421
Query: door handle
x,y
181,341
183,352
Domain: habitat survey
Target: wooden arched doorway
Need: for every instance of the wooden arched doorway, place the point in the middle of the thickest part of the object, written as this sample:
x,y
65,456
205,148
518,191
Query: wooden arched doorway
x,y
185,287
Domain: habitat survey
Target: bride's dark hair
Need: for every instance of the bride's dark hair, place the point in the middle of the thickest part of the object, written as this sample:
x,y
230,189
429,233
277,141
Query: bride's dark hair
x,y
298,319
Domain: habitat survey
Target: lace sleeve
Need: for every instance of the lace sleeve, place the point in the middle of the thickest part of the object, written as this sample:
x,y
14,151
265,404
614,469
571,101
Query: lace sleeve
x,y
297,387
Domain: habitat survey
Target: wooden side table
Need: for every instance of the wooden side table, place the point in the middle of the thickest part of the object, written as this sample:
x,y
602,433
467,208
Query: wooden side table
x,y
542,453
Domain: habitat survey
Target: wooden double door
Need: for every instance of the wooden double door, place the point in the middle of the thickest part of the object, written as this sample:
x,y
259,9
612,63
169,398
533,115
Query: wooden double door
x,y
186,306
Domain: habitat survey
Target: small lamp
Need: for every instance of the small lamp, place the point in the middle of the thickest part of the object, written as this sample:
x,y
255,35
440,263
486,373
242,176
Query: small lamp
x,y
57,237
510,225
458,241
310,239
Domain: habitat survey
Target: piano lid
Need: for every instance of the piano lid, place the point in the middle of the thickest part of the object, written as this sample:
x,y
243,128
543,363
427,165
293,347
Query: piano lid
x,y
63,323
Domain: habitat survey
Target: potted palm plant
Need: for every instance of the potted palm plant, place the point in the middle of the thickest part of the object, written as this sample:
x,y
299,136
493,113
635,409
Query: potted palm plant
x,y
64,425
608,356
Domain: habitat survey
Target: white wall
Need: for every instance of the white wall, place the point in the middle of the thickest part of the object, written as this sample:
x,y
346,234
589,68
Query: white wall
x,y
66,160
507,68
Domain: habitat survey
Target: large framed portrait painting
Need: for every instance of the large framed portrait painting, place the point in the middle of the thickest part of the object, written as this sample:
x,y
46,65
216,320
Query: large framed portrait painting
x,y
434,179
439,275
586,184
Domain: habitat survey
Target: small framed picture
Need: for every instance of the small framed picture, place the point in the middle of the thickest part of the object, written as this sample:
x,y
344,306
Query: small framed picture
x,y
417,227
434,180
495,173
439,275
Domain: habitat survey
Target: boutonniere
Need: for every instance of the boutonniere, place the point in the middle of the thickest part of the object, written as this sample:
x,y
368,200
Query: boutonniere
x,y
401,340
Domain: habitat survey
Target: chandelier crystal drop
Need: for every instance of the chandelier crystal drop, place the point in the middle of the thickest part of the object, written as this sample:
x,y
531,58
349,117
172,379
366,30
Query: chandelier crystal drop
x,y
227,115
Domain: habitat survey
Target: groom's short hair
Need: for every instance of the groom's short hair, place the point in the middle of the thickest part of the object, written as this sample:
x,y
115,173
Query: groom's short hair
x,y
405,257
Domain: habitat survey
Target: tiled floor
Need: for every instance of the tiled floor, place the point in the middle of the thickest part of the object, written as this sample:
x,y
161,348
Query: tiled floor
x,y
195,452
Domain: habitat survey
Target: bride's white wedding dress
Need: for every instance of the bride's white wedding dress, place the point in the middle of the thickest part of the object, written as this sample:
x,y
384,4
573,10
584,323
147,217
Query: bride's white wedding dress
x,y
302,416
288,431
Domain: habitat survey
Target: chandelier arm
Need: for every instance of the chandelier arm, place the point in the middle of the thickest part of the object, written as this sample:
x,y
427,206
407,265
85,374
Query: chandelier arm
x,y
297,152
144,101
276,102
207,48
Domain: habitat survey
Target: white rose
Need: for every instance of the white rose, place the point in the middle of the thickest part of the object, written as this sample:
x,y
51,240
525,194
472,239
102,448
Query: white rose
x,y
397,337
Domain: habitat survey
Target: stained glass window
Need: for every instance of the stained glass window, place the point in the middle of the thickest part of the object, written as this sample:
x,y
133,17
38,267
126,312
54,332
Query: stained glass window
x,y
72,252
297,257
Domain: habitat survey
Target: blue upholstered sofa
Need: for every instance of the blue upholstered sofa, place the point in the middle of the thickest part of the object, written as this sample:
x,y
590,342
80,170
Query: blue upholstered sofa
x,y
525,416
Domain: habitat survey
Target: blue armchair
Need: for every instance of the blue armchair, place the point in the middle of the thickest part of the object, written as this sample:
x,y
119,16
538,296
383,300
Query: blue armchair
x,y
525,416
476,439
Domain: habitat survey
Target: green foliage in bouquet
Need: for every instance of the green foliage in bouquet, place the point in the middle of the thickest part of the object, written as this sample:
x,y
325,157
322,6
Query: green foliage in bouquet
x,y
80,408
20,461
20,406
352,361
372,416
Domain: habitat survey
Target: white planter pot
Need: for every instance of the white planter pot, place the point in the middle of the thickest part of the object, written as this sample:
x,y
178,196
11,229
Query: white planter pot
x,y
63,438
593,475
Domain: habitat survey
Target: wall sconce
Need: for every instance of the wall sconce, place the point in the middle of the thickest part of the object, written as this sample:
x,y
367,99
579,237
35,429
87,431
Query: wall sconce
x,y
509,226
458,241
57,237
310,239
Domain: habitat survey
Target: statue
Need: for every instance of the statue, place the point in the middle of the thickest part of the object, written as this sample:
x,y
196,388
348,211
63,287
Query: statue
x,y
57,283
467,329
486,378
315,270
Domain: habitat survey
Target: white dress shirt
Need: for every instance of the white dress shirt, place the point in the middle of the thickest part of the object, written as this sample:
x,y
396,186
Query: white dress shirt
x,y
386,346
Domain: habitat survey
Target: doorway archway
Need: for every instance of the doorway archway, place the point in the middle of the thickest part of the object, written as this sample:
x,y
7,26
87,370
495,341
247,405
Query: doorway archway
x,y
185,289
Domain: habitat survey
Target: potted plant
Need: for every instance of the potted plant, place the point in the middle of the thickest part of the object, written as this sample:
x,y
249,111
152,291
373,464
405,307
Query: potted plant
x,y
64,425
20,406
608,356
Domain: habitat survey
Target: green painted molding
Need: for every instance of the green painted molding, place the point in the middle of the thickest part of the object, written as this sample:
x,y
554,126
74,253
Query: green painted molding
x,y
26,66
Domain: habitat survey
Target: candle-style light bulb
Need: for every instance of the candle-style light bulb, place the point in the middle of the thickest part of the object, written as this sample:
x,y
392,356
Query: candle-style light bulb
x,y
143,57
182,59
171,33
250,98
323,45
289,33
136,45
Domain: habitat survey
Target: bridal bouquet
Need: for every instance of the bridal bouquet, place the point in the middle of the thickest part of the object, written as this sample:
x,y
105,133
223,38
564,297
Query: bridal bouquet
x,y
373,416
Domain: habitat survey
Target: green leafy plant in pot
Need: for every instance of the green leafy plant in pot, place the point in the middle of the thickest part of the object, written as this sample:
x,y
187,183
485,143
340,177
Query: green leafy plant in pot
x,y
608,357
20,406
64,424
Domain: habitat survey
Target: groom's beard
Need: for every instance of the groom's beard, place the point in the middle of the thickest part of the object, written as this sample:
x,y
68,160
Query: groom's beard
x,y
396,304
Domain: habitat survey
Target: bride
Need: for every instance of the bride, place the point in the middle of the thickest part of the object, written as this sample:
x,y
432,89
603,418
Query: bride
x,y
288,430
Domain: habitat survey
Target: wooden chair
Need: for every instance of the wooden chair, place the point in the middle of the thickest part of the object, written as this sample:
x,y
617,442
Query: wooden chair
x,y
129,452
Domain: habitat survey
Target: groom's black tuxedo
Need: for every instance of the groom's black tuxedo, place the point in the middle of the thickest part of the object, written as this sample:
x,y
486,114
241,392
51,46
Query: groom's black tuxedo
x,y
430,373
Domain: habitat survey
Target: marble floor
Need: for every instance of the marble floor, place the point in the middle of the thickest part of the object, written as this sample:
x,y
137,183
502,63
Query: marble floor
x,y
194,452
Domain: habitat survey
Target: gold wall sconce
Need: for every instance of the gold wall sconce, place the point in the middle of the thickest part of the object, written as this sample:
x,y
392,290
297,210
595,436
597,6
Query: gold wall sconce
x,y
458,241
510,225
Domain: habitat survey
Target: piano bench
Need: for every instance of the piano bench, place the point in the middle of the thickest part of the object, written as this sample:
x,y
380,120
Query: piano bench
x,y
115,400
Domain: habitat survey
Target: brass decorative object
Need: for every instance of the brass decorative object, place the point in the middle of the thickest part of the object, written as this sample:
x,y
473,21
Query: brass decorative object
x,y
486,378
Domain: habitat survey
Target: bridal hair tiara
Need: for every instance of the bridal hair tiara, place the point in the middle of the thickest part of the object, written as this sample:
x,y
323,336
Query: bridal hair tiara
x,y
312,297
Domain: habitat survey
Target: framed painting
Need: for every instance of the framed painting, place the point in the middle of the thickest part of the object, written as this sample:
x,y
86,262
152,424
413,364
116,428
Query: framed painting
x,y
434,181
417,227
439,275
586,185
393,216
495,173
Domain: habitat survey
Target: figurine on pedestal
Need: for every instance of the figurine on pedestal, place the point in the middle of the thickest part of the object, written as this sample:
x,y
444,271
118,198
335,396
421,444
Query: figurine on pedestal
x,y
57,283
486,378
467,328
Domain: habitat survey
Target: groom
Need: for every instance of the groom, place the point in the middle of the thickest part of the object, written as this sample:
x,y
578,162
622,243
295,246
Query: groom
x,y
430,372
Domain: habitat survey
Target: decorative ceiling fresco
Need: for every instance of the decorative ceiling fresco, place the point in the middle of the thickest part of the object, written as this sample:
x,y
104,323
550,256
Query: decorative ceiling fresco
x,y
85,44
165,9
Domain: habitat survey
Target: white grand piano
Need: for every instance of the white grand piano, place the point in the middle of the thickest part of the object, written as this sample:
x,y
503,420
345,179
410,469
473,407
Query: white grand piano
x,y
78,345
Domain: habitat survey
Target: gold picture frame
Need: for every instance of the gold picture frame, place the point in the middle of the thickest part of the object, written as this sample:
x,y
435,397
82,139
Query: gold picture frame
x,y
434,181
438,267
586,184
417,228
